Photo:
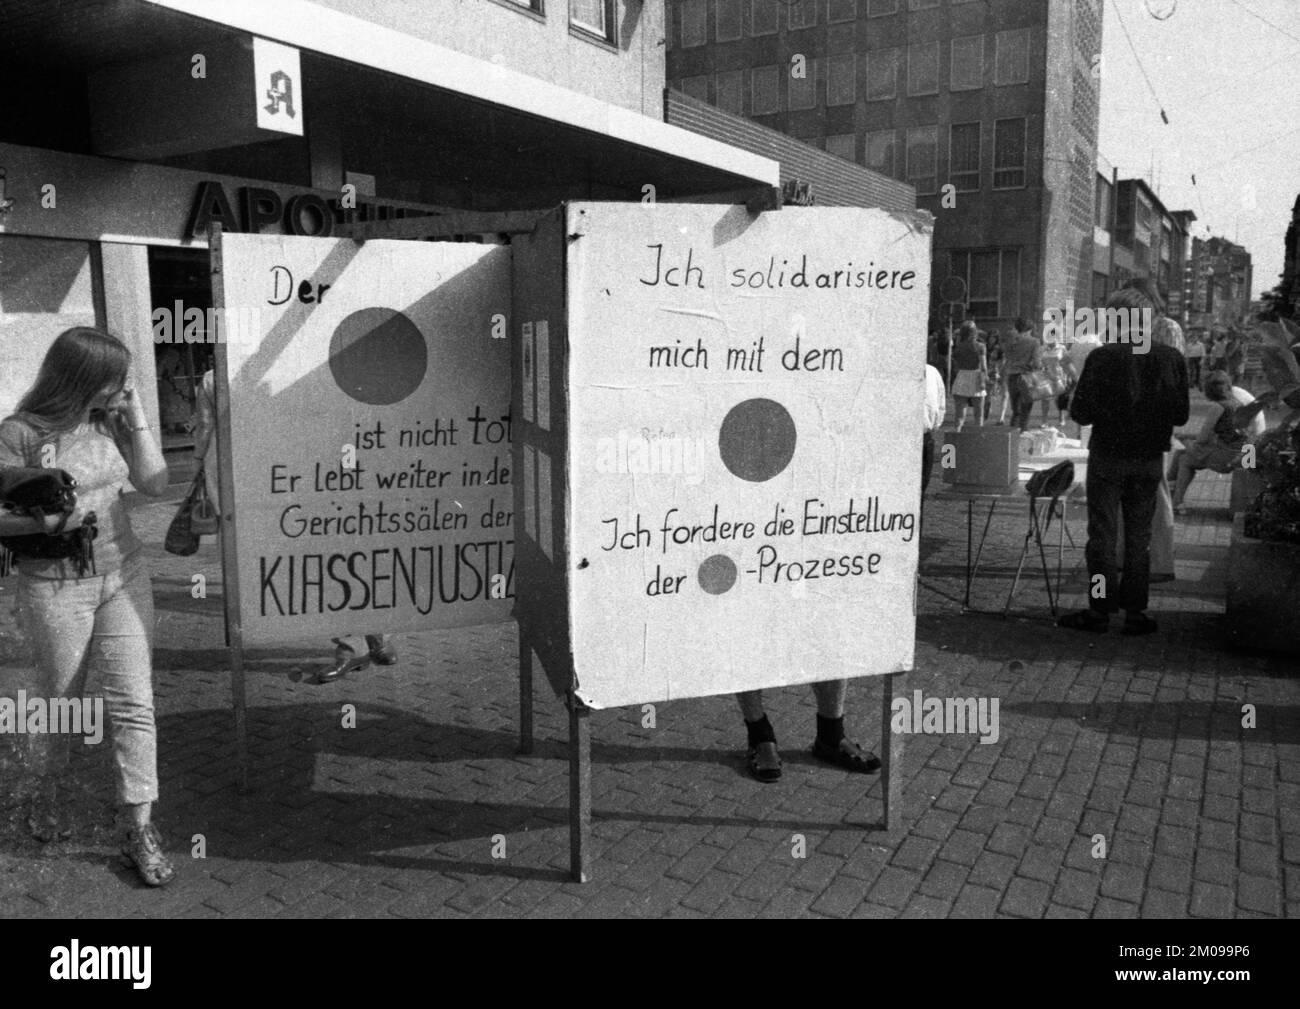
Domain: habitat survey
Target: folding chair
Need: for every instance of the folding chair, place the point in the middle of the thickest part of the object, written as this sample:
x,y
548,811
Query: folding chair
x,y
1050,484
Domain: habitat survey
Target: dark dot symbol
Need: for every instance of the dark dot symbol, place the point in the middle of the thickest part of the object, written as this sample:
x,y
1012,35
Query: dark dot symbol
x,y
757,439
717,574
584,563
378,356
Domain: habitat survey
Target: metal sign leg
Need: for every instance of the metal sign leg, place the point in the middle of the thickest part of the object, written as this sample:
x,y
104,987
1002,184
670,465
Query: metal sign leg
x,y
525,695
891,753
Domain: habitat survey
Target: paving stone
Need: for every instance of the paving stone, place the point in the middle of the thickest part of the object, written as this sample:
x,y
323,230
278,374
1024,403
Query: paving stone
x,y
1025,898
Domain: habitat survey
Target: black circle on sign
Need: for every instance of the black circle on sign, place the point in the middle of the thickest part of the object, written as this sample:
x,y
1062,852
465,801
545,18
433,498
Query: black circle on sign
x,y
717,574
757,439
378,356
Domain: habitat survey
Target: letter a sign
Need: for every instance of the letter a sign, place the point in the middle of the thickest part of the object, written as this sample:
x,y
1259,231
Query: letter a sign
x,y
277,87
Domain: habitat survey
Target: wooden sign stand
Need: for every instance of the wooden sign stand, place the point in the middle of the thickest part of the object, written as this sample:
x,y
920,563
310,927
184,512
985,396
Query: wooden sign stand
x,y
430,228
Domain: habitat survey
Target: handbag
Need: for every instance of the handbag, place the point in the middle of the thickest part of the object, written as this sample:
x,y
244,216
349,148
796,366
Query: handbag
x,y
1053,482
37,492
181,539
1047,382
205,520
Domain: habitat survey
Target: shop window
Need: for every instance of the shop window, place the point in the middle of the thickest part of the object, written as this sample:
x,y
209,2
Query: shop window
x,y
764,85
802,13
762,17
1009,154
727,20
882,74
695,15
803,90
964,157
922,158
967,70
842,10
923,68
1012,57
842,145
730,90
840,89
696,87
880,152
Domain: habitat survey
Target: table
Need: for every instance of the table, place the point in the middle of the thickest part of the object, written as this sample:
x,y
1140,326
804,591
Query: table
x,y
1041,513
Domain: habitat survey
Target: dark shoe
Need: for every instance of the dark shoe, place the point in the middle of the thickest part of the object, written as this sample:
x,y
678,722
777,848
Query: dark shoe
x,y
1085,620
765,762
143,848
385,656
344,663
850,756
1138,622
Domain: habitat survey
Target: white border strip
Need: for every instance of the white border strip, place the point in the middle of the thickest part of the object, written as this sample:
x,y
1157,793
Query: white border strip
x,y
323,30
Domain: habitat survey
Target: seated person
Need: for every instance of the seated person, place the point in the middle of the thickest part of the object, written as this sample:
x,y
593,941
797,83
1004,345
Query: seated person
x,y
1218,446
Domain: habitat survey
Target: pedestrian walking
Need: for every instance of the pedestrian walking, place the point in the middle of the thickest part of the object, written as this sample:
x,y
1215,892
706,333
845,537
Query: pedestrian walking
x,y
1024,354
970,360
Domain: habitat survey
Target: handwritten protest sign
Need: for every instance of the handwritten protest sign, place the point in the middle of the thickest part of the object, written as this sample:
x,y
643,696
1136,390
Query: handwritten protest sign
x,y
743,414
369,408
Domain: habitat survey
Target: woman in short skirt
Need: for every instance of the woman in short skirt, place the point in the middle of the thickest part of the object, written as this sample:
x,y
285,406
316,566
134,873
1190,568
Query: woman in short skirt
x,y
971,364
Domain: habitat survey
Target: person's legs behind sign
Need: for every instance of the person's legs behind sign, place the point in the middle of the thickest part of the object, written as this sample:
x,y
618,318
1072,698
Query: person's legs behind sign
x,y
353,653
830,744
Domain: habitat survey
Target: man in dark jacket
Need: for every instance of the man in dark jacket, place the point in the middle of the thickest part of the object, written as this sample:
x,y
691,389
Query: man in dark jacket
x,y
1134,393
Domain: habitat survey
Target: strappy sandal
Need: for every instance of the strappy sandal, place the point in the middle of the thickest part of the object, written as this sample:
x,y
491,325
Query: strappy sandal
x,y
847,755
143,849
765,762
1139,623
1085,620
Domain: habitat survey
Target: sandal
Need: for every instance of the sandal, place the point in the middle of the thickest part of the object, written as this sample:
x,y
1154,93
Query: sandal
x,y
765,762
1085,620
847,755
1139,623
143,849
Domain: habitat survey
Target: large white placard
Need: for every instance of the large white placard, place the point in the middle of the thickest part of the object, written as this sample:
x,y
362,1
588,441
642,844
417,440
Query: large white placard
x,y
745,411
369,406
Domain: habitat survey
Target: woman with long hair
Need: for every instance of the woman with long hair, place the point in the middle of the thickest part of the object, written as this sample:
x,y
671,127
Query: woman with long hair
x,y
92,620
971,364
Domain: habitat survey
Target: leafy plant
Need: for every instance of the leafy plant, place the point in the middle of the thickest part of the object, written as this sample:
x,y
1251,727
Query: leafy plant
x,y
1275,515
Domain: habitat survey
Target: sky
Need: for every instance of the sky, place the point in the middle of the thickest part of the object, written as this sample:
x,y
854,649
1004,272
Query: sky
x,y
1230,85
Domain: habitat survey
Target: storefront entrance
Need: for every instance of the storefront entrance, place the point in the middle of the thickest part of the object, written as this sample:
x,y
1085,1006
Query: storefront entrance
x,y
178,281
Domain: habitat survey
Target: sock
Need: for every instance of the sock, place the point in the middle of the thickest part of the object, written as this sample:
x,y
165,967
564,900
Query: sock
x,y
830,730
760,731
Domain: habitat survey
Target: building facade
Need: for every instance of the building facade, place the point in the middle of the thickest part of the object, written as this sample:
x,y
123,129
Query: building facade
x,y
147,119
1222,281
989,109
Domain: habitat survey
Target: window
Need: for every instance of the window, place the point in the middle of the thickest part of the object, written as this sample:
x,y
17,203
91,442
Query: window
x,y
1101,209
922,158
967,70
920,5
695,15
730,91
923,68
533,5
882,74
762,17
727,26
878,8
880,152
597,17
1009,154
843,145
696,87
1012,60
802,13
839,79
964,157
764,85
803,90
842,10
992,278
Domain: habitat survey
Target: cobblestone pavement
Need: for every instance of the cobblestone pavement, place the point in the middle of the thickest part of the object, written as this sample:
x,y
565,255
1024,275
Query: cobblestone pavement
x,y
1138,740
